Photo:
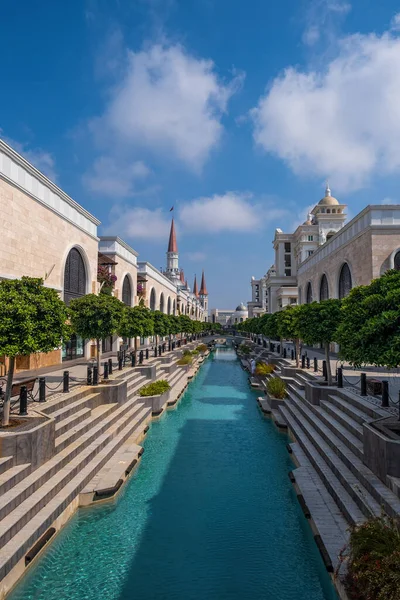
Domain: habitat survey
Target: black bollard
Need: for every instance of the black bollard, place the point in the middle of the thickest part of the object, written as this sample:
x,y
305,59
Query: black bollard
x,y
141,357
23,401
42,389
363,380
292,354
308,362
315,364
133,359
110,366
147,354
66,382
284,353
159,350
155,351
399,404
105,375
324,370
385,394
278,349
169,346
303,361
89,376
340,377
95,375
120,363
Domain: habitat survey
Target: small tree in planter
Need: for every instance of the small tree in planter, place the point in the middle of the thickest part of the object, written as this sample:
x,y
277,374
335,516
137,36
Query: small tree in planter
x,y
161,324
185,324
96,317
158,392
276,388
318,323
32,319
288,321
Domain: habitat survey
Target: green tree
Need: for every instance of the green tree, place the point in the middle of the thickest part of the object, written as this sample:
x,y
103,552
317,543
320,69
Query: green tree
x,y
270,327
96,317
32,319
161,324
369,332
136,322
288,321
185,324
318,323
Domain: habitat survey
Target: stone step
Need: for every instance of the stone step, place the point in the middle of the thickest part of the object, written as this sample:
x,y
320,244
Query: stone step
x,y
73,406
348,423
351,441
37,478
101,450
344,501
350,470
72,420
57,404
33,501
5,463
354,413
374,411
136,384
96,416
12,476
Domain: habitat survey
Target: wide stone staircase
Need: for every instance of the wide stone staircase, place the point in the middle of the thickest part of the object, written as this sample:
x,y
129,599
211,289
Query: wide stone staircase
x,y
329,452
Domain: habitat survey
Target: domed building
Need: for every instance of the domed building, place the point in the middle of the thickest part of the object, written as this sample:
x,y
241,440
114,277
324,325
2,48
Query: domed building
x,y
239,315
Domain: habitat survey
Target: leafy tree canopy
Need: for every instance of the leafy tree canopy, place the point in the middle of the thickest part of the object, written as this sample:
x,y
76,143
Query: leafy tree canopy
x,y
161,323
96,317
288,321
136,322
319,321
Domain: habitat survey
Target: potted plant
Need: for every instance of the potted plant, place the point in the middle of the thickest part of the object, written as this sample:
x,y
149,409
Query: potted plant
x,y
186,361
276,391
264,369
156,394
202,348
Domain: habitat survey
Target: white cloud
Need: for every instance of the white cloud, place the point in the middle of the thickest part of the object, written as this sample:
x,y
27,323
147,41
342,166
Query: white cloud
x,y
388,200
168,101
232,211
395,23
342,121
39,158
139,223
111,178
311,35
322,18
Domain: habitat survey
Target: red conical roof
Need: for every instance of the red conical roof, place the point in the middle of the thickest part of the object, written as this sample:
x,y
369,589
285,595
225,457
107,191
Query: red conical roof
x,y
203,287
172,246
195,288
182,276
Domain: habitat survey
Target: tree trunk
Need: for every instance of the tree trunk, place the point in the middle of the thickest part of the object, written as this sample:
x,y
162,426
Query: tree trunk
x,y
7,398
297,347
98,354
328,364
135,344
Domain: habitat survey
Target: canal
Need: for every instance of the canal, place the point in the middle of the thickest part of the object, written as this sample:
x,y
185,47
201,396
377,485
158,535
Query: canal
x,y
209,515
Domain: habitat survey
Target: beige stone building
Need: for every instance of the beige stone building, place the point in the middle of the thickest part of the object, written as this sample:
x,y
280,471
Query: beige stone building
x,y
362,250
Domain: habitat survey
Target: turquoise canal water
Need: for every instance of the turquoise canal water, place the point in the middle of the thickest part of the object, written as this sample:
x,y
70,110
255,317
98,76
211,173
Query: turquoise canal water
x,y
209,515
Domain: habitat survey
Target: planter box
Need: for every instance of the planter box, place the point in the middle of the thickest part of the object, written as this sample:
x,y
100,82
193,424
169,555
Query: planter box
x,y
274,402
157,403
381,449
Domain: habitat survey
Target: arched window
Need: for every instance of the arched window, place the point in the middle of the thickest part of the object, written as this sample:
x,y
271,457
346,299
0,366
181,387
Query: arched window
x,y
330,234
345,283
152,299
169,306
396,264
324,288
74,276
127,291
309,296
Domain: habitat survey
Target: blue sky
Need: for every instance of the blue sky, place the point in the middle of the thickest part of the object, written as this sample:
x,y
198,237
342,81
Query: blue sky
x,y
234,112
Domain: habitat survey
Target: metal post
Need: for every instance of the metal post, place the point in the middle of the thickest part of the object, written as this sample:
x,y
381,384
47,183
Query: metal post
x,y
363,384
324,370
308,362
105,376
42,389
95,375
385,394
284,353
141,357
110,366
159,350
399,404
120,363
315,364
66,382
340,377
23,401
278,349
155,351
147,354
169,346
292,354
133,359
89,378
303,361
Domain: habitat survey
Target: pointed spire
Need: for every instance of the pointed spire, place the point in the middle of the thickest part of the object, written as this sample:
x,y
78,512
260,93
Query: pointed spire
x,y
203,287
195,288
182,277
186,284
172,246
327,189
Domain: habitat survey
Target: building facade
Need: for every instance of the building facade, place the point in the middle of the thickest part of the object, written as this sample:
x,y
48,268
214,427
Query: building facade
x,y
229,317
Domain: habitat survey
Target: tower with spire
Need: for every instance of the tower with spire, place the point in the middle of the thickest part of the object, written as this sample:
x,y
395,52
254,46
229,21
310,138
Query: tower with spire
x,y
172,271
195,288
203,294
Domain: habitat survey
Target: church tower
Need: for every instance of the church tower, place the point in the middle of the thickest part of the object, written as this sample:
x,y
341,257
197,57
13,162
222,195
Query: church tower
x,y
172,271
203,293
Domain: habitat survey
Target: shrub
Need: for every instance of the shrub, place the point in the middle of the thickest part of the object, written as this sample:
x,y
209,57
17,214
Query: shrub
x,y
244,348
276,388
263,369
374,560
187,353
155,389
186,359
195,353
202,348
